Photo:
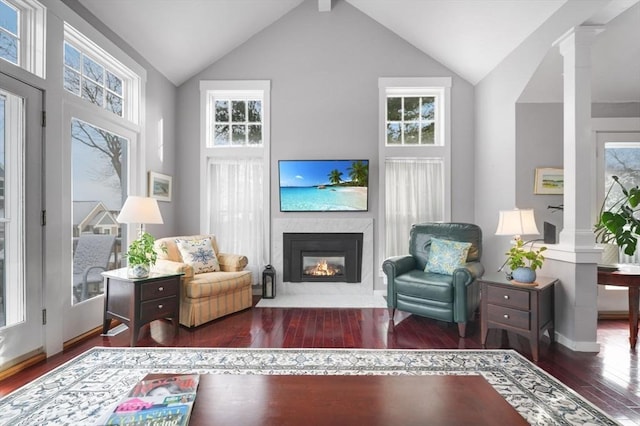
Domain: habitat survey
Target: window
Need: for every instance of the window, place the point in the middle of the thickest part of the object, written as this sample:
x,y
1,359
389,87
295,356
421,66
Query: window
x,y
236,119
411,120
92,74
9,36
235,146
415,156
88,79
22,34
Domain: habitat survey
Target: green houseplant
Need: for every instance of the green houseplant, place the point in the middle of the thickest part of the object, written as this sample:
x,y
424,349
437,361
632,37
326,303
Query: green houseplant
x,y
141,255
617,222
523,262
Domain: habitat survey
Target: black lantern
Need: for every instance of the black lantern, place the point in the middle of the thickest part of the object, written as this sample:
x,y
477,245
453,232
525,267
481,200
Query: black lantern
x,y
269,282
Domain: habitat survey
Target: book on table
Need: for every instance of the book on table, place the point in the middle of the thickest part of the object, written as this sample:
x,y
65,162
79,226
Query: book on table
x,y
165,400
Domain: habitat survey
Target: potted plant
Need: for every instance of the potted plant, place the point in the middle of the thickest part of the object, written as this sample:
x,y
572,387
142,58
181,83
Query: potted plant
x,y
523,263
617,222
141,256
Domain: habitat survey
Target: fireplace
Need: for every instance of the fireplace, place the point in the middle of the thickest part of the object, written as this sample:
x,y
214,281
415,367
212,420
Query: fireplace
x,y
333,257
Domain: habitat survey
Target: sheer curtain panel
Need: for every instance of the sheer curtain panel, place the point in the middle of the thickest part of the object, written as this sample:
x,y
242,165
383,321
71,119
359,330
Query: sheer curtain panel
x,y
414,193
236,209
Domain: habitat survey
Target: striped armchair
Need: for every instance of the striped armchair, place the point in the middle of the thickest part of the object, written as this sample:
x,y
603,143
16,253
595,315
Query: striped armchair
x,y
208,295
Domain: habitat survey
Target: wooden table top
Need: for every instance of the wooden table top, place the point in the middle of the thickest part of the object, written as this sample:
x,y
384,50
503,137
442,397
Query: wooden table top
x,y
349,400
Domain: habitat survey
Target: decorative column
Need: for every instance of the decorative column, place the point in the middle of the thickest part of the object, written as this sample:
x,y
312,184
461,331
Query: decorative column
x,y
579,164
575,257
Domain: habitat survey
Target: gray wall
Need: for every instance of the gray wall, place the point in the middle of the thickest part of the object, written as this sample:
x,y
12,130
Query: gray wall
x,y
324,70
539,132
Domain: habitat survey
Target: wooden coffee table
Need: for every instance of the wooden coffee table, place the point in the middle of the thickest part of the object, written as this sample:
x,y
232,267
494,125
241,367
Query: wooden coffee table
x,y
334,400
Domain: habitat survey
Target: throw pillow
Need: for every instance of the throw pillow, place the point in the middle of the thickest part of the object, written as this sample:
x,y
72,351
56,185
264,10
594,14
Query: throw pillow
x,y
199,254
446,256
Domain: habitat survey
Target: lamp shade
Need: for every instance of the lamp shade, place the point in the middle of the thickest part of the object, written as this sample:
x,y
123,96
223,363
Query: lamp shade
x,y
140,210
517,222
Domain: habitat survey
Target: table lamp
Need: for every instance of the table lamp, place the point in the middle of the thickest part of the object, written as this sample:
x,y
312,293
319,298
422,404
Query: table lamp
x,y
517,222
140,210
141,254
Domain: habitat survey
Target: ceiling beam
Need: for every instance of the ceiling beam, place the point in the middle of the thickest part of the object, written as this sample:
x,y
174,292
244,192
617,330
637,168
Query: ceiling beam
x,y
324,5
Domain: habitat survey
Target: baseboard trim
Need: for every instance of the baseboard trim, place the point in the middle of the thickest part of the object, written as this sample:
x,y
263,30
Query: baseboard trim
x,y
613,315
20,365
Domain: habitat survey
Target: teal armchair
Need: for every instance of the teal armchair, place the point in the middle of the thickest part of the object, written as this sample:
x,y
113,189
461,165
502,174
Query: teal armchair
x,y
451,298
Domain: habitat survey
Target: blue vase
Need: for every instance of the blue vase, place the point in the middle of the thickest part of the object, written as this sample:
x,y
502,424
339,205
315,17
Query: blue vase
x,y
524,275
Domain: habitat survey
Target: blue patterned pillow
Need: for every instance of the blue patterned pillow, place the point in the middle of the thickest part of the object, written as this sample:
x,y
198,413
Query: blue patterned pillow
x,y
446,256
199,254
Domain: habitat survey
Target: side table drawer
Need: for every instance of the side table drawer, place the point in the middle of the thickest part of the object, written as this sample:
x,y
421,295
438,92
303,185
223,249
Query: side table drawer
x,y
159,308
157,289
512,298
510,317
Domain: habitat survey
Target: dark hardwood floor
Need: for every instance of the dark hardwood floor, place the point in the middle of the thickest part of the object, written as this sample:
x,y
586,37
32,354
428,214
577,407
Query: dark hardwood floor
x,y
608,379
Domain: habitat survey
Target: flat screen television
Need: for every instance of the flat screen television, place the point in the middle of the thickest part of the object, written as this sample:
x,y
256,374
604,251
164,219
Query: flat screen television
x,y
324,185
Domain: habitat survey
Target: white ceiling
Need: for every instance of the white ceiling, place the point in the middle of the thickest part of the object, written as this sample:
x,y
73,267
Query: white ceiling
x,y
471,37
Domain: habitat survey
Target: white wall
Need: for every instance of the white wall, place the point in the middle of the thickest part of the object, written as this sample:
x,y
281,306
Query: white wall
x,y
324,70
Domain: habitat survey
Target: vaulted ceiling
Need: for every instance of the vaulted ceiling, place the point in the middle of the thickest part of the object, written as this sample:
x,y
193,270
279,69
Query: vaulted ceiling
x,y
471,37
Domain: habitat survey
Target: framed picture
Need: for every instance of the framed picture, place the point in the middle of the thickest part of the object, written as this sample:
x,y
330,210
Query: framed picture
x,y
549,181
159,186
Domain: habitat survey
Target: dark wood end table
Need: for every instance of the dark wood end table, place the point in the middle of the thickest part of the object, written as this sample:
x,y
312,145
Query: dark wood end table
x,y
631,280
524,310
138,301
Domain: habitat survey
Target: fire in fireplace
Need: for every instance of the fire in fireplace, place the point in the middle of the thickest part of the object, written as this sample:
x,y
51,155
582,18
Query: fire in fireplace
x,y
319,266
322,257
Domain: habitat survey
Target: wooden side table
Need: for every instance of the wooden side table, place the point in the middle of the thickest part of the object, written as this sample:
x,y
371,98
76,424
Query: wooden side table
x,y
524,310
139,301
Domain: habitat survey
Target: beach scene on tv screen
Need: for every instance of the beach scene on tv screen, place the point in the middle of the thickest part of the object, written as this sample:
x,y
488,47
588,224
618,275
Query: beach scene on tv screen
x,y
323,185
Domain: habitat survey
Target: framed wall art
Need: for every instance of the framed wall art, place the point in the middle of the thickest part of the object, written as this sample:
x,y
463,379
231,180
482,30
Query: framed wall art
x,y
160,186
549,180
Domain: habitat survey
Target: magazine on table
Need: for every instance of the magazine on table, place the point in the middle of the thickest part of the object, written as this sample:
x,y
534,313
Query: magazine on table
x,y
166,400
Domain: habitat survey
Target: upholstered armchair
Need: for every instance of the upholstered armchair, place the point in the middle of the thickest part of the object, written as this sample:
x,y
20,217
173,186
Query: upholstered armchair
x,y
437,279
214,284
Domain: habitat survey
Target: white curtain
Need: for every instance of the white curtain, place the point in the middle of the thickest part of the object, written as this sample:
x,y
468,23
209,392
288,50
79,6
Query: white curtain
x,y
237,212
414,193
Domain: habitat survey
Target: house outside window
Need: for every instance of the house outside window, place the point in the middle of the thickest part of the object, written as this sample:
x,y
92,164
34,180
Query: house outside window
x,y
415,159
22,34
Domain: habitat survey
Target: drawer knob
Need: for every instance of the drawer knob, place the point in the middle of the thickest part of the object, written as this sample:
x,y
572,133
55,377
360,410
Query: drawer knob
x,y
506,316
160,288
506,297
160,306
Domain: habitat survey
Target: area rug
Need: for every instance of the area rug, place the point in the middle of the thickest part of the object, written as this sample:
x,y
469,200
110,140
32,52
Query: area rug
x,y
323,301
76,393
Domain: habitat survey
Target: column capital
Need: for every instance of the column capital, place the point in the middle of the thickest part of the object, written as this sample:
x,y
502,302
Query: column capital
x,y
583,34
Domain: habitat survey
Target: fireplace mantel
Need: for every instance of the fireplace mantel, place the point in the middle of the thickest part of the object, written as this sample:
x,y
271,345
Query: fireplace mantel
x,y
318,225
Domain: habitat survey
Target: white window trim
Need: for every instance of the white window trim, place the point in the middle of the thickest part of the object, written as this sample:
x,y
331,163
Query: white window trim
x,y
132,82
405,86
263,87
32,35
13,217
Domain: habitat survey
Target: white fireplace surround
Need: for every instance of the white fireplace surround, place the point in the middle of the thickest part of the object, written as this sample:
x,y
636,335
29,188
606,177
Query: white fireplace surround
x,y
299,225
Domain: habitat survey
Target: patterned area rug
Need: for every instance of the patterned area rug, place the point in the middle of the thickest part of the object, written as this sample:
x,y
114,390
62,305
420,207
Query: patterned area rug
x,y
77,392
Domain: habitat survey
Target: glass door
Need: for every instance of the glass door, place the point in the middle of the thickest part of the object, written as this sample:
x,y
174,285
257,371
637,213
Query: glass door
x,y
99,179
21,288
